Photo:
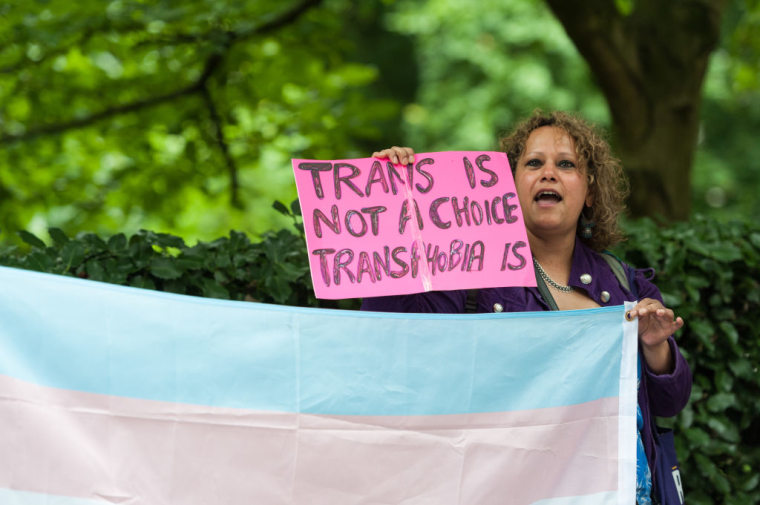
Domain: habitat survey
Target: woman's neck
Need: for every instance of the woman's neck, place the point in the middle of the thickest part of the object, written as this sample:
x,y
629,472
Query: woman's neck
x,y
553,253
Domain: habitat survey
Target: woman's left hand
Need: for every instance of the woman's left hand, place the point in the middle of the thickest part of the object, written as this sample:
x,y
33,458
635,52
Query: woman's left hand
x,y
656,324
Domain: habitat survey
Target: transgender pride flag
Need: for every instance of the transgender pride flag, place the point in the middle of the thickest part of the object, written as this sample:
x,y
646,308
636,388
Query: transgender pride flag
x,y
114,395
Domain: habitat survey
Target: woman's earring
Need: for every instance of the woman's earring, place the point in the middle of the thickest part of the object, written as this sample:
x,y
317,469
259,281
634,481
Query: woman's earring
x,y
587,225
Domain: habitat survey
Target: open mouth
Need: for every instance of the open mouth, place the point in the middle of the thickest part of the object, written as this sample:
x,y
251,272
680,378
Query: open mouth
x,y
547,197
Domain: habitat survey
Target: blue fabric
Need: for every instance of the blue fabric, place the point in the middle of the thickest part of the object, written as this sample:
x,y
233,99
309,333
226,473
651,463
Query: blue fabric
x,y
659,395
301,360
643,474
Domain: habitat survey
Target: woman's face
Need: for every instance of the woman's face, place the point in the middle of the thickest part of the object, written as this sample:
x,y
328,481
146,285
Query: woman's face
x,y
551,183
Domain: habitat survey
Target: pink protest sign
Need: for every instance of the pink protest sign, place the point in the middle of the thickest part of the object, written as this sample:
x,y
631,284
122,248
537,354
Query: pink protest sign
x,y
450,220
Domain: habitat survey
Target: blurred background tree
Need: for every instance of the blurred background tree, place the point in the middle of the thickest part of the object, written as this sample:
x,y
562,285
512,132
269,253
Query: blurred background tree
x,y
650,63
176,116
182,116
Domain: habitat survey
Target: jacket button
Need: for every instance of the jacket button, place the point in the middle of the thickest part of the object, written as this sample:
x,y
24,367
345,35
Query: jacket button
x,y
497,307
605,296
586,278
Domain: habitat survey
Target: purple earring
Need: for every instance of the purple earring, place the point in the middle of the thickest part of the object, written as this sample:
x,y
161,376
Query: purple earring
x,y
587,225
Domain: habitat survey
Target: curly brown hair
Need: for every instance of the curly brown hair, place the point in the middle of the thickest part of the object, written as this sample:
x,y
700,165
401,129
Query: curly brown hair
x,y
607,182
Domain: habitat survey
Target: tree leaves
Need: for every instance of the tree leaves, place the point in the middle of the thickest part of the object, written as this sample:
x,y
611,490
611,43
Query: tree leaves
x,y
165,268
155,114
281,208
31,239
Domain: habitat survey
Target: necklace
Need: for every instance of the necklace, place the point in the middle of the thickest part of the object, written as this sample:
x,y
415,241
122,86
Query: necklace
x,y
545,277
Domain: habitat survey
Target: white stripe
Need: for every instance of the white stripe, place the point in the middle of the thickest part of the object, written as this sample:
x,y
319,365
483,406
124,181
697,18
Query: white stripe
x,y
627,411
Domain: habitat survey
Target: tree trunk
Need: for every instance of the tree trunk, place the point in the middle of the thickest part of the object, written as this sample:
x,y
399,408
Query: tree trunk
x,y
650,65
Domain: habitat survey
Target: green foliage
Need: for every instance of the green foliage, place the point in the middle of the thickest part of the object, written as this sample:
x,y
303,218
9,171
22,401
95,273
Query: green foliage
x,y
182,116
725,168
177,116
273,270
709,273
483,66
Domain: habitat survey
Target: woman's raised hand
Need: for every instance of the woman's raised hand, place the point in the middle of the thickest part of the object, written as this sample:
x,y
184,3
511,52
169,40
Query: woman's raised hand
x,y
403,155
656,324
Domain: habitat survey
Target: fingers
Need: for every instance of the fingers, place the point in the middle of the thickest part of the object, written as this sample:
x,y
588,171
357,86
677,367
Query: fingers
x,y
648,306
403,155
656,322
654,309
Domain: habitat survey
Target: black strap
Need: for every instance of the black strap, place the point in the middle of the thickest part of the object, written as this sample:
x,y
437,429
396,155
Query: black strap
x,y
471,304
545,293
626,276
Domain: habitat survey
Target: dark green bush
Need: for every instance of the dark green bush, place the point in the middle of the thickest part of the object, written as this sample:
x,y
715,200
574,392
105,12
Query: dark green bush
x,y
273,270
708,272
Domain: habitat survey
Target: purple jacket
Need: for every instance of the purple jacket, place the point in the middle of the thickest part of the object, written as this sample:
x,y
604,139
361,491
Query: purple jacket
x,y
659,395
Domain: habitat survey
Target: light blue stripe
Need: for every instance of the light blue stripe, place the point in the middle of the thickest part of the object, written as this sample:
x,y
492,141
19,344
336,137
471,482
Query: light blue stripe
x,y
13,497
87,336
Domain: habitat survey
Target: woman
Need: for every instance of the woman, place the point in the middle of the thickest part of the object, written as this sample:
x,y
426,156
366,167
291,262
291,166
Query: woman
x,y
571,192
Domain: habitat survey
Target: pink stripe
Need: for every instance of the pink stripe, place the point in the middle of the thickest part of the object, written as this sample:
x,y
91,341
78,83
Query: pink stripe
x,y
138,451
